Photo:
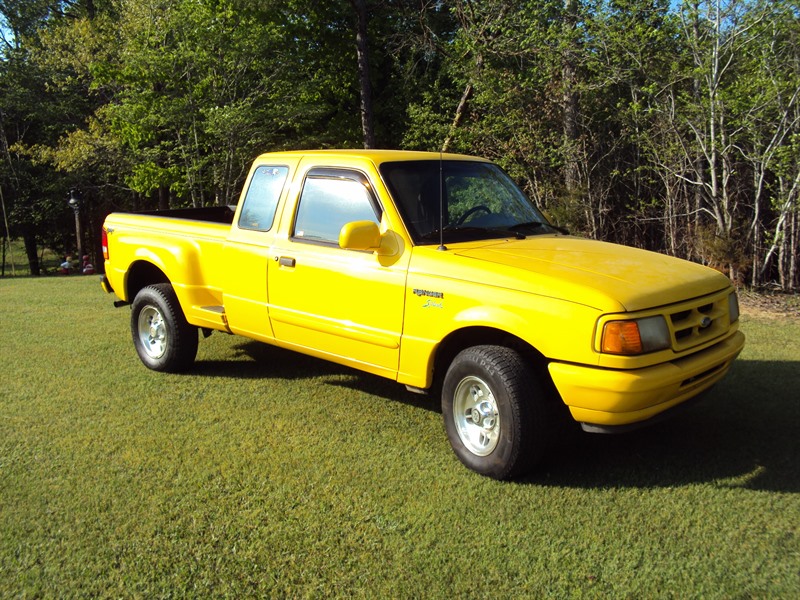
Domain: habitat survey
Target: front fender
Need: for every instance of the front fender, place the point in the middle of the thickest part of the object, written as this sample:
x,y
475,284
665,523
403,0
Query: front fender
x,y
556,329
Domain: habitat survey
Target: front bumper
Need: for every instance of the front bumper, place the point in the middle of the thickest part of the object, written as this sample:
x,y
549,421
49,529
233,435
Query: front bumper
x,y
607,398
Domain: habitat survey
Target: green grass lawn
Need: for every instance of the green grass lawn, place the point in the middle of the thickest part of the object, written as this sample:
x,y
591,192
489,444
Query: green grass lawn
x,y
267,473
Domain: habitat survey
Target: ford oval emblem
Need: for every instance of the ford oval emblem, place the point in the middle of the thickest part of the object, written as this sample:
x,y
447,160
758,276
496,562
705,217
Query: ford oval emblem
x,y
705,322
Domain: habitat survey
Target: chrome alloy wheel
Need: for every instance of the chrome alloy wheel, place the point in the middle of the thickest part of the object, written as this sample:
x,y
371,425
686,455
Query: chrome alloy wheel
x,y
476,416
152,332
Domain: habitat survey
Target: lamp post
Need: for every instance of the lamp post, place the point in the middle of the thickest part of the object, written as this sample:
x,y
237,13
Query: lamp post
x,y
75,203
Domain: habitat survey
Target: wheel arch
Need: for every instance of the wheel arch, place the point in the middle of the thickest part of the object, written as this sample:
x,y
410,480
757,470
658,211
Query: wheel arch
x,y
141,274
466,337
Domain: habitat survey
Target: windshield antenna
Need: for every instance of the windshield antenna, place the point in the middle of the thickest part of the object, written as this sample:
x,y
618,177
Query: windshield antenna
x,y
441,247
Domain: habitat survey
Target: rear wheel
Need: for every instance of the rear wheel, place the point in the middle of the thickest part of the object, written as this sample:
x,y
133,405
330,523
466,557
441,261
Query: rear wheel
x,y
163,338
495,411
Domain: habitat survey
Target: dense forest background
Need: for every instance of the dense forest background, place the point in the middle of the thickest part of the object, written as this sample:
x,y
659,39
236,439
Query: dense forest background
x,y
673,126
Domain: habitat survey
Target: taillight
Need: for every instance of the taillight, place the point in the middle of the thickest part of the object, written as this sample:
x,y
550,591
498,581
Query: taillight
x,y
105,244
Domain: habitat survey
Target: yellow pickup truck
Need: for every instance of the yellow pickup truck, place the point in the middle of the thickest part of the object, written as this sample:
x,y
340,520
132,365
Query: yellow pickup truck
x,y
435,271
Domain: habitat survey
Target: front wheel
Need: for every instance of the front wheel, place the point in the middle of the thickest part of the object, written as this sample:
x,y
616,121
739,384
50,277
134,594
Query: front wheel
x,y
164,340
494,411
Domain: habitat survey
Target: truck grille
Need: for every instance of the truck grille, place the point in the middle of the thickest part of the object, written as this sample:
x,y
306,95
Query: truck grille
x,y
695,323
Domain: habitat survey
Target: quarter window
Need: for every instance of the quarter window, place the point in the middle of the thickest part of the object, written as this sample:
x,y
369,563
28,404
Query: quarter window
x,y
261,200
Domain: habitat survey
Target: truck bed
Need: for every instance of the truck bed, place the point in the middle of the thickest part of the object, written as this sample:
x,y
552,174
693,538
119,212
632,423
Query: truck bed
x,y
213,214
186,243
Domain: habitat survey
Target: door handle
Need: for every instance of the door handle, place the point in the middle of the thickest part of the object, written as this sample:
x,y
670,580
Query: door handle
x,y
285,261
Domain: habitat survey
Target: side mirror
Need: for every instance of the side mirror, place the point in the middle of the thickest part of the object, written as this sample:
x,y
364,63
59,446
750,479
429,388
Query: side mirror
x,y
360,235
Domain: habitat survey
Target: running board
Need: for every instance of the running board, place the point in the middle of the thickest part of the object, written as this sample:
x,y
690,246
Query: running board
x,y
215,309
215,315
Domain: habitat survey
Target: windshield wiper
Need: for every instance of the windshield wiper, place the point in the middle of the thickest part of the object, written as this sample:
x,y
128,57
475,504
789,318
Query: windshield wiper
x,y
498,230
528,225
469,229
538,225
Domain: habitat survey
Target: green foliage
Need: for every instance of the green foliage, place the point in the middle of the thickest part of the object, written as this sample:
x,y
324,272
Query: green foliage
x,y
643,122
265,473
428,123
148,176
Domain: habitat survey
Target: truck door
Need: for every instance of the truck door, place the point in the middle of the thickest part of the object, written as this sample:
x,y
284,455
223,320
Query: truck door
x,y
331,302
247,252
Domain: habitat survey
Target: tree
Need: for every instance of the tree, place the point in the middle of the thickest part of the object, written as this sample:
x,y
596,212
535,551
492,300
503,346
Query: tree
x,y
365,83
31,113
672,127
766,97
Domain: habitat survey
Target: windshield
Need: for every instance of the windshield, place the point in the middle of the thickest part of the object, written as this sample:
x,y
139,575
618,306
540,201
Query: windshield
x,y
466,199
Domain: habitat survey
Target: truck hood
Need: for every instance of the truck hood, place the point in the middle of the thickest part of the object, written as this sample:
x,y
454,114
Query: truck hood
x,y
605,276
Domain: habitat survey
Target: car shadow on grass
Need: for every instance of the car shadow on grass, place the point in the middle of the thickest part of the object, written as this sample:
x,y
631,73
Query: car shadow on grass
x,y
745,433
254,360
264,362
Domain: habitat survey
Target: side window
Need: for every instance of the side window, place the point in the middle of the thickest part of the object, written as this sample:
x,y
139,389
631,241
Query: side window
x,y
331,199
261,200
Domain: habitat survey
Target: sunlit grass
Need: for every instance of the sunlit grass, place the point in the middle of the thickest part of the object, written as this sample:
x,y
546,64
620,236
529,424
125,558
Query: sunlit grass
x,y
268,473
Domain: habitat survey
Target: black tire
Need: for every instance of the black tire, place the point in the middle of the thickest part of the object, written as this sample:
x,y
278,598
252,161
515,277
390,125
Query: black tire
x,y
495,411
163,339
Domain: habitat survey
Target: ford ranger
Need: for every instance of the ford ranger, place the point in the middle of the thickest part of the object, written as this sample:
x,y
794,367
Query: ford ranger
x,y
435,271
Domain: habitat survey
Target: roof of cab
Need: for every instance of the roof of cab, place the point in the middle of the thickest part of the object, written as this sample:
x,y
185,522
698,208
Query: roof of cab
x,y
376,156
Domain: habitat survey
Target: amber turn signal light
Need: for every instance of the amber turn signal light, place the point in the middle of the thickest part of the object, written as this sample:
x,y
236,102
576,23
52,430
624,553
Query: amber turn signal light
x,y
635,336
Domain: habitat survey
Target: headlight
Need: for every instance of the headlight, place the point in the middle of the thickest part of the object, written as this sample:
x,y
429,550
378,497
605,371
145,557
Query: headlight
x,y
637,336
733,307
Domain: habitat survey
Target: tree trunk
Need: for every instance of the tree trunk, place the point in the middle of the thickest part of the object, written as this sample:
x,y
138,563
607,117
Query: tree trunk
x,y
794,246
462,106
570,98
362,49
29,237
163,198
